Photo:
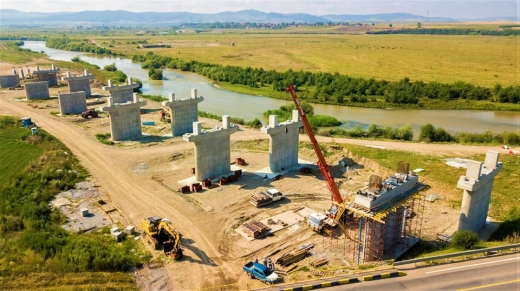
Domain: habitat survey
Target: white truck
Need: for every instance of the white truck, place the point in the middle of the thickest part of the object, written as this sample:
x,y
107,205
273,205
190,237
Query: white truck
x,y
320,223
262,198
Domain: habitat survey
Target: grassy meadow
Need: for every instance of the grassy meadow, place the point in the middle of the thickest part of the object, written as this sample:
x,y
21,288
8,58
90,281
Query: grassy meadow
x,y
475,59
479,60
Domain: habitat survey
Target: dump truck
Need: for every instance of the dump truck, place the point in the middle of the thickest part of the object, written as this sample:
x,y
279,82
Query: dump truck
x,y
160,232
262,198
260,272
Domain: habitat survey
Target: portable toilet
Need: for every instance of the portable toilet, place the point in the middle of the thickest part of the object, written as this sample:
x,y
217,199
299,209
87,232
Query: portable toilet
x,y
34,130
26,121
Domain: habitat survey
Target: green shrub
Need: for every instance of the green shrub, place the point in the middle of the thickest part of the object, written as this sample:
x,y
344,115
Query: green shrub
x,y
464,239
103,138
111,68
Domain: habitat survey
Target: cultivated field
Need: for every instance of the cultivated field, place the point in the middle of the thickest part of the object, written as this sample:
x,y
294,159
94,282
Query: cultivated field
x,y
479,60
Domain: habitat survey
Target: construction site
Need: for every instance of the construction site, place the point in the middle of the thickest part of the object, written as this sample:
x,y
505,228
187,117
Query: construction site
x,y
213,195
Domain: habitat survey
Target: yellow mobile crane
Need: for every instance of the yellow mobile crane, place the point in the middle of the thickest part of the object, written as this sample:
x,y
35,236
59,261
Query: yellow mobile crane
x,y
160,231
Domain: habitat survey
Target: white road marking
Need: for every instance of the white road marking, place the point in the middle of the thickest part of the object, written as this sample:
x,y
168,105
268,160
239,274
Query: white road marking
x,y
461,267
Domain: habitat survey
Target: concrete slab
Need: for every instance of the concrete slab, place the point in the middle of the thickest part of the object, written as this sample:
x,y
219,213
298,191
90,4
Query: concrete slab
x,y
290,218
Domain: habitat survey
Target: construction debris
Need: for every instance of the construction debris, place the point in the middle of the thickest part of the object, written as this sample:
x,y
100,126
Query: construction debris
x,y
255,228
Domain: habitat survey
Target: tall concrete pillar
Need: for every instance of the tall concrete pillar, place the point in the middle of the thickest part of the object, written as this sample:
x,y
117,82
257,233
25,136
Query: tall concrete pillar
x,y
37,90
72,103
283,142
184,112
49,76
21,73
79,83
477,186
122,93
125,118
212,149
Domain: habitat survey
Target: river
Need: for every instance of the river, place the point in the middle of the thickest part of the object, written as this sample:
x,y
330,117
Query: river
x,y
249,107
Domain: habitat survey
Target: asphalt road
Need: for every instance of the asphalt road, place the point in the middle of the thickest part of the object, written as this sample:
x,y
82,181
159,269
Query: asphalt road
x,y
492,273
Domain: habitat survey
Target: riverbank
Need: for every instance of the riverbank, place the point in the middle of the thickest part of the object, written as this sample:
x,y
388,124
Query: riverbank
x,y
378,102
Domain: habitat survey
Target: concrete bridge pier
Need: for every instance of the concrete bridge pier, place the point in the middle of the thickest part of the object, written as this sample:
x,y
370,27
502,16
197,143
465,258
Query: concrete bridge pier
x,y
125,118
212,149
477,186
283,142
183,112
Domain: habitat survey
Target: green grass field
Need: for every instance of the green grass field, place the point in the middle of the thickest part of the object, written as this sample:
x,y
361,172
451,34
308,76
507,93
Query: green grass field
x,y
479,60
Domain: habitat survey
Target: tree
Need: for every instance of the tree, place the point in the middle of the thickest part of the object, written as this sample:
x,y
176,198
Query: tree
x,y
418,25
390,25
155,74
465,239
427,133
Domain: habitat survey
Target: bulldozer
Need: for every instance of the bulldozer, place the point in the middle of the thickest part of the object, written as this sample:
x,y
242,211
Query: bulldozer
x,y
161,232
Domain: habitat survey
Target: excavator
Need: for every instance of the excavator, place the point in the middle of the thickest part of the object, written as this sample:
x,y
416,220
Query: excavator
x,y
160,231
338,207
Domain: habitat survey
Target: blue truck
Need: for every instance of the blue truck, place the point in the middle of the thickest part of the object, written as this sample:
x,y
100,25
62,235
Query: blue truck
x,y
261,272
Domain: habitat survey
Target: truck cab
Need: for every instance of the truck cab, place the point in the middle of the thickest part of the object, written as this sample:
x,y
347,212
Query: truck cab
x,y
320,222
275,194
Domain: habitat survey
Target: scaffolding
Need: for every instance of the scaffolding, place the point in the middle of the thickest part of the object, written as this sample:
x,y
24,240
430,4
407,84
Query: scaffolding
x,y
375,236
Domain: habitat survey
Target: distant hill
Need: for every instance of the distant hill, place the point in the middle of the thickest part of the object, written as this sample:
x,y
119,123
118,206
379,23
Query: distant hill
x,y
15,17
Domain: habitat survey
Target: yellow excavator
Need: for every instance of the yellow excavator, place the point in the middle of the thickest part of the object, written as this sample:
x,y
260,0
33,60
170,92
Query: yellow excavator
x,y
160,231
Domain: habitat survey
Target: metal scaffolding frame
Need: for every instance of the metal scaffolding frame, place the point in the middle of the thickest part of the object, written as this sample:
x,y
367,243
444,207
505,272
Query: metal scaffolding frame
x,y
374,237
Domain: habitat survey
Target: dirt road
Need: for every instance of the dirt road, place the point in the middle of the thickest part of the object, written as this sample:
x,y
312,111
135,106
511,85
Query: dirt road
x,y
210,259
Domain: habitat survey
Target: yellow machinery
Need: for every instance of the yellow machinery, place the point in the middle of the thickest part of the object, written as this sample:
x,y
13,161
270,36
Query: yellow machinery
x,y
161,232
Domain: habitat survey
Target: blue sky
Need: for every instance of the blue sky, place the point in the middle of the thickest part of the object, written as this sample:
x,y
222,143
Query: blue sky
x,y
446,8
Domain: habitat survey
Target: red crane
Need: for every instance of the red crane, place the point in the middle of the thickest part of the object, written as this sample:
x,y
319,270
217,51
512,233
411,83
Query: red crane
x,y
322,164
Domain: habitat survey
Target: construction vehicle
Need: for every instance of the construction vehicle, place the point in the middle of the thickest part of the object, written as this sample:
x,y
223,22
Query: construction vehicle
x,y
260,272
321,223
160,231
322,164
261,198
337,208
89,112
165,115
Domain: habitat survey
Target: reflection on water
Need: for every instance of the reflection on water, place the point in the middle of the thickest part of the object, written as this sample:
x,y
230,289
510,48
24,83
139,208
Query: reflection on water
x,y
249,107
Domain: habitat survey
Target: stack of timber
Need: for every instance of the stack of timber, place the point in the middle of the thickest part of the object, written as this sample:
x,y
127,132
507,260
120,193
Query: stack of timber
x,y
319,262
255,228
260,198
292,257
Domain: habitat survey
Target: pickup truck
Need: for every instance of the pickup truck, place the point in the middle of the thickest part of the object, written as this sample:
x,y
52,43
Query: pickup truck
x,y
260,272
261,198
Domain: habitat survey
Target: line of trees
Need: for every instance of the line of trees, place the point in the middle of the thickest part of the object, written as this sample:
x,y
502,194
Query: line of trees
x,y
431,134
78,45
335,88
502,31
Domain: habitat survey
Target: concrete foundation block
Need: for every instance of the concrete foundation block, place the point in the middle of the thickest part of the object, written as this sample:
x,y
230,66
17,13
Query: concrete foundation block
x,y
37,90
130,229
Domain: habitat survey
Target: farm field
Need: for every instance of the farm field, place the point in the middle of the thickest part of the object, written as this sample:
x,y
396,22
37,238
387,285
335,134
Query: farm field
x,y
479,60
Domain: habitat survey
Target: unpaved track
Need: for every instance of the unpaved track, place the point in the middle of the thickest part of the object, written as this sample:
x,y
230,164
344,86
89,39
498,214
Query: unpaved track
x,y
139,196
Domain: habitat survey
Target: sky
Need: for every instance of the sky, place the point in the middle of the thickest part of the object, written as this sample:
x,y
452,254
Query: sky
x,y
440,8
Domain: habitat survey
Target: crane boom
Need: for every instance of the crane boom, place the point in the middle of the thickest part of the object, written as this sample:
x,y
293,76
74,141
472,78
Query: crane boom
x,y
322,164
